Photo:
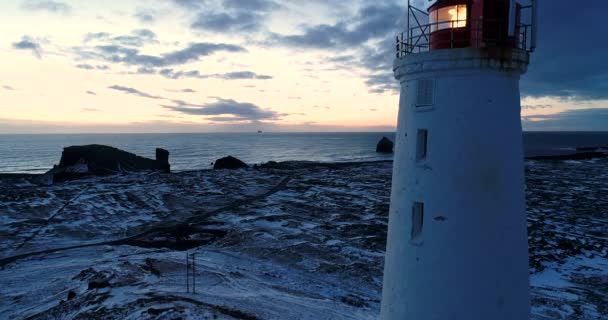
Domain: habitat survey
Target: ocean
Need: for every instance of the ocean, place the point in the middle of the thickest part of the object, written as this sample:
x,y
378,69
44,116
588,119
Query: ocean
x,y
189,151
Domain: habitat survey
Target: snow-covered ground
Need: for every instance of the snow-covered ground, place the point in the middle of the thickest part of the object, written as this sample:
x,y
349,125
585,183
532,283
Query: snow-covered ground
x,y
297,241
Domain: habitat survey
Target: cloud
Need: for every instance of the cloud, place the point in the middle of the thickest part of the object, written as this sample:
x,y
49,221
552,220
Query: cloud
x,y
89,110
187,90
137,38
368,36
536,106
240,75
189,4
592,119
119,53
145,15
223,21
86,66
222,110
133,91
91,93
569,68
29,44
46,5
96,36
180,74
226,110
9,88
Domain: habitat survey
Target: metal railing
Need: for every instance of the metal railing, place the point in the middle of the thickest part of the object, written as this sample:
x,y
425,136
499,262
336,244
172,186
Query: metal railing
x,y
480,33
418,39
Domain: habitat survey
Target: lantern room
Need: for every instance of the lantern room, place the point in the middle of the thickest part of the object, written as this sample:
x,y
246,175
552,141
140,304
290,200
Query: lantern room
x,y
470,23
473,23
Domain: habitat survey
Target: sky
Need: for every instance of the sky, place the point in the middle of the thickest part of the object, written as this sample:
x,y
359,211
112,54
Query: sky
x,y
246,65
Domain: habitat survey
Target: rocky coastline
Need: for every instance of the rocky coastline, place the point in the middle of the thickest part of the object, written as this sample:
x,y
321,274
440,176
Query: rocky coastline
x,y
280,240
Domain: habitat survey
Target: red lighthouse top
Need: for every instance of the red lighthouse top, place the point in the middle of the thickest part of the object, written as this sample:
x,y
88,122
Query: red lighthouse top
x,y
470,23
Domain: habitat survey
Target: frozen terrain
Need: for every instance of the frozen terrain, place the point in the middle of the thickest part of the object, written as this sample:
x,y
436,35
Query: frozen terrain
x,y
292,241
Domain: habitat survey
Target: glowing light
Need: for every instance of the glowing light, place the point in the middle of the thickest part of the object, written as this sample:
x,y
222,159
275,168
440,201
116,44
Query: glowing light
x,y
449,17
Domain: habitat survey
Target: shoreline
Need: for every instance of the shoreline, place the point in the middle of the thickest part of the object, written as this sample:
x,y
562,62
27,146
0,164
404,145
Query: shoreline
x,y
581,153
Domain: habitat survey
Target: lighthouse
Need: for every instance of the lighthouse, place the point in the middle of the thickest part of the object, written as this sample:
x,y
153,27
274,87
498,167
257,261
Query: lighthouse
x,y
457,238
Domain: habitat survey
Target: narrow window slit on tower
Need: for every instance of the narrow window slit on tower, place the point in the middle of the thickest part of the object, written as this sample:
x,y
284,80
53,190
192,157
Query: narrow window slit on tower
x,y
417,220
422,144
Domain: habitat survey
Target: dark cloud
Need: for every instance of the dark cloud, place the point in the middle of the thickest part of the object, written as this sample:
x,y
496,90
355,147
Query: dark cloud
x,y
134,92
224,21
251,5
91,93
226,110
571,57
90,110
371,22
234,16
187,90
29,44
46,5
570,120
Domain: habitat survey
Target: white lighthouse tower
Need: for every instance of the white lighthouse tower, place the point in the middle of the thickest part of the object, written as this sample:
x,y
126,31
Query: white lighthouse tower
x,y
457,241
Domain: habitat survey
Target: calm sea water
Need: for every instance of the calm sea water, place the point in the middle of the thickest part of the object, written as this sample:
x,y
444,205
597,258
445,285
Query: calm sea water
x,y
38,153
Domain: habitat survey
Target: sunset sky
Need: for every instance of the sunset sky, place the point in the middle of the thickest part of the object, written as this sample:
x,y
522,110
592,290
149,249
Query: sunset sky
x,y
242,65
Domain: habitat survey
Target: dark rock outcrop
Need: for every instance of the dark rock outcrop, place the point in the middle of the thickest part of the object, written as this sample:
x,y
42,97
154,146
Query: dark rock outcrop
x,y
80,161
385,146
229,162
162,158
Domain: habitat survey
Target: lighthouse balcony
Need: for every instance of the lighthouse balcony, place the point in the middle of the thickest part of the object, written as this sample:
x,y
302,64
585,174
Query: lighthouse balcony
x,y
454,24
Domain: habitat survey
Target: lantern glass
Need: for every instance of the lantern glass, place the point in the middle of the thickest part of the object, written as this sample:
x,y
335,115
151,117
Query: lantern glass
x,y
448,17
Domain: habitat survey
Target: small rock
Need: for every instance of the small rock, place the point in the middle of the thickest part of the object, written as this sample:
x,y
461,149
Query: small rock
x,y
71,295
385,146
229,162
98,284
